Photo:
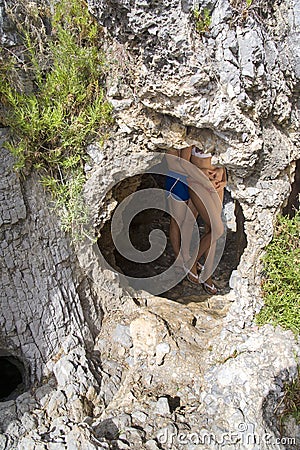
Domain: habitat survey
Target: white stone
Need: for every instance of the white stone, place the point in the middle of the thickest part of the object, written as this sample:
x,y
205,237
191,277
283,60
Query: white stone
x,y
162,349
162,406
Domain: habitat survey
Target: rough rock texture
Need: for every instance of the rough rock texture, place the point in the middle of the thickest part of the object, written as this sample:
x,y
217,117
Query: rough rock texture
x,y
42,288
234,87
120,369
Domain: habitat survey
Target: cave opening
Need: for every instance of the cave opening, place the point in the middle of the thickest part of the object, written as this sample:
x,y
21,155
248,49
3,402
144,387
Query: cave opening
x,y
12,377
293,201
152,219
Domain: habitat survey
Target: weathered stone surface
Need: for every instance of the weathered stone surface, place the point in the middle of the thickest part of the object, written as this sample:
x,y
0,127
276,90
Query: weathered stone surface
x,y
125,369
39,293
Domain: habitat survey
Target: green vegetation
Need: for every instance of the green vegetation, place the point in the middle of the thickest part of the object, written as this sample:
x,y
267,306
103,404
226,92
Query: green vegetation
x,y
65,109
281,283
281,291
291,401
202,20
242,9
241,4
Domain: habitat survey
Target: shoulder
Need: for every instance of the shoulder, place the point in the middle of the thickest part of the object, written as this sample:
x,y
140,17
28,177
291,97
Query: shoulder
x,y
186,152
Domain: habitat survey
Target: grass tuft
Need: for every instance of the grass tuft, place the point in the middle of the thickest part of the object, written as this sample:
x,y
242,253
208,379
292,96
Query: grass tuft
x,y
290,403
202,20
281,282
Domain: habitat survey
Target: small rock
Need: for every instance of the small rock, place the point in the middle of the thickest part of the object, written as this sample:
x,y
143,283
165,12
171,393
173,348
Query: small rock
x,y
15,428
8,413
94,151
140,416
56,446
151,445
121,335
162,406
24,402
121,445
28,421
3,441
122,421
30,443
63,371
130,361
56,403
162,350
107,429
42,393
134,436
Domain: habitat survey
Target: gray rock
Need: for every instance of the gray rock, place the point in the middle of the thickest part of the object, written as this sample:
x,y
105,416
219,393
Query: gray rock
x,y
8,413
28,421
139,416
162,406
94,151
240,81
3,441
107,429
121,335
221,13
59,446
122,421
151,445
162,349
15,428
25,402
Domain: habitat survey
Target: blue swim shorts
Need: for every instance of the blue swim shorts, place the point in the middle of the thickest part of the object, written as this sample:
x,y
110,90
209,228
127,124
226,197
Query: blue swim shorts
x,y
176,185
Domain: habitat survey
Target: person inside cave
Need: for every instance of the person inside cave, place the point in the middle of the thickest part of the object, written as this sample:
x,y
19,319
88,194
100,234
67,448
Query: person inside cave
x,y
179,199
193,182
208,201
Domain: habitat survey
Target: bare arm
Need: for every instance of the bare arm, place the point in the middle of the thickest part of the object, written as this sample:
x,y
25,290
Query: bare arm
x,y
221,184
210,179
186,153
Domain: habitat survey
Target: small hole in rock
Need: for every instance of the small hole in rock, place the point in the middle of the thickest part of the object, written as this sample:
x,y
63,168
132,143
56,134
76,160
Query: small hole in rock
x,y
174,402
241,239
293,201
11,377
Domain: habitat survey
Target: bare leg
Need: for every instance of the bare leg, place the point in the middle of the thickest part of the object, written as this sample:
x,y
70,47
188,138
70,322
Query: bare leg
x,y
187,230
174,236
207,228
209,207
209,261
178,212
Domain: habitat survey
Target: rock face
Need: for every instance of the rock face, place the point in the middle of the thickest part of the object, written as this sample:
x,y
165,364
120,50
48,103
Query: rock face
x,y
116,368
233,87
42,285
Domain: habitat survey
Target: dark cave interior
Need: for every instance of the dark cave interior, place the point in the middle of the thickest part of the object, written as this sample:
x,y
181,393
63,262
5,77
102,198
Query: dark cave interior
x,y
148,220
11,377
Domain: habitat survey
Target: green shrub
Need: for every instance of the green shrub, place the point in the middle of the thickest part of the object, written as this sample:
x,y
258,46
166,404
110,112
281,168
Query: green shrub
x,y
52,124
281,282
202,20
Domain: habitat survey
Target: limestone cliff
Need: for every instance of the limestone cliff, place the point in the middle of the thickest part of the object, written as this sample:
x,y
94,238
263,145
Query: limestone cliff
x,y
105,366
